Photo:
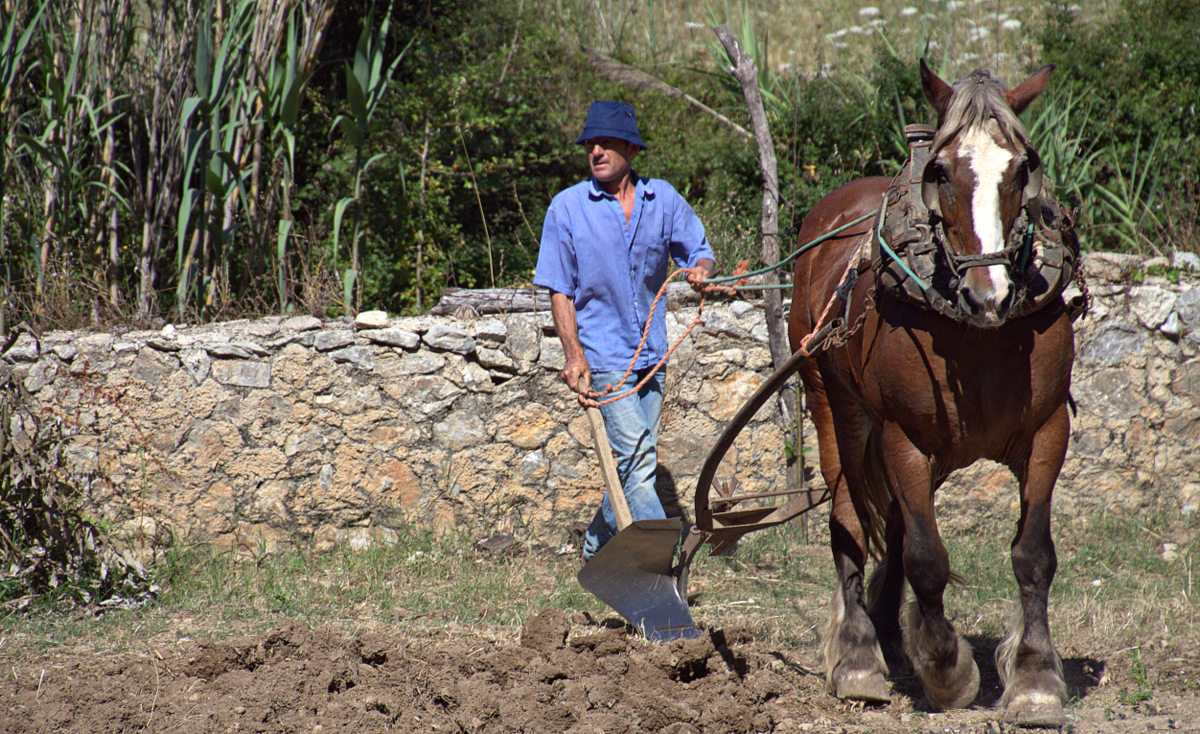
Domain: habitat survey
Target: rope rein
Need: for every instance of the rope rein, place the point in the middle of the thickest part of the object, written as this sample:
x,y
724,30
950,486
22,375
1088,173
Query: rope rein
x,y
725,285
710,286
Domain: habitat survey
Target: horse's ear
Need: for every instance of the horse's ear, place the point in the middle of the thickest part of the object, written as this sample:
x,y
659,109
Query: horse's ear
x,y
929,189
936,91
1020,97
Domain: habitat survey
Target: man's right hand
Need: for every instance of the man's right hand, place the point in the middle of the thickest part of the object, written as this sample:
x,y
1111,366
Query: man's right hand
x,y
576,374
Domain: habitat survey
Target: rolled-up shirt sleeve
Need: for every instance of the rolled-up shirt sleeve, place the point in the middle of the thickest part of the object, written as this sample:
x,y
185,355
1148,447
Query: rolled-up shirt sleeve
x,y
557,266
689,244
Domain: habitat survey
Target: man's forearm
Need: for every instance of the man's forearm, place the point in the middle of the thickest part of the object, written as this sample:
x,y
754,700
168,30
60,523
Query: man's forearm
x,y
575,370
562,309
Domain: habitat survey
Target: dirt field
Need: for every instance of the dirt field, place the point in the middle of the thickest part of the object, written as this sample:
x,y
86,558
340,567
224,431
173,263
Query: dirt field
x,y
577,675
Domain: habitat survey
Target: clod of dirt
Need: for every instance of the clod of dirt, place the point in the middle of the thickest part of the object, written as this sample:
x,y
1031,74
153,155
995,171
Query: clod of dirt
x,y
211,660
546,631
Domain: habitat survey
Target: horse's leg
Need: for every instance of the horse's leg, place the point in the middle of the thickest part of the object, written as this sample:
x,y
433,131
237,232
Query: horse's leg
x,y
885,593
854,664
1029,667
940,657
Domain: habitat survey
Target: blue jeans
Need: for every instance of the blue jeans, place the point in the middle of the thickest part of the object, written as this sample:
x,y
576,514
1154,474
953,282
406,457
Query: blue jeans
x,y
632,425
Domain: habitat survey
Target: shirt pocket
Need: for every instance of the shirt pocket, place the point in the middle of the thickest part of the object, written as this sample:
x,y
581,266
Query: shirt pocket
x,y
655,264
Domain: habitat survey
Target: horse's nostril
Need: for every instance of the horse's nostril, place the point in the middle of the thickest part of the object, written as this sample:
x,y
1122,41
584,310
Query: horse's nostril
x,y
966,297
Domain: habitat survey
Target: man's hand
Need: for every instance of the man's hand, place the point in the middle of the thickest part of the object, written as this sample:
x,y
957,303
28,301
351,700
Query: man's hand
x,y
577,375
700,272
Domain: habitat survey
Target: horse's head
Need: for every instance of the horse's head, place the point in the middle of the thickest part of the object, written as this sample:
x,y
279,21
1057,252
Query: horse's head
x,y
981,172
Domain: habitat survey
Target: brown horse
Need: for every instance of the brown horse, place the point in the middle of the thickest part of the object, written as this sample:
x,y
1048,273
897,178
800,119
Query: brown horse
x,y
911,394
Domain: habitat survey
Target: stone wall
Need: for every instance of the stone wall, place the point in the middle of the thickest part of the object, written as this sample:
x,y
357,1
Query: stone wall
x,y
252,433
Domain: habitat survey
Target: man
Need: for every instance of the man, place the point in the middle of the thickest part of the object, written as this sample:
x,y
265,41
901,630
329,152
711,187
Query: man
x,y
605,246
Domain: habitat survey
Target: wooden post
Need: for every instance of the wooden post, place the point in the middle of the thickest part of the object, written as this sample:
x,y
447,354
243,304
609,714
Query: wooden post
x,y
746,72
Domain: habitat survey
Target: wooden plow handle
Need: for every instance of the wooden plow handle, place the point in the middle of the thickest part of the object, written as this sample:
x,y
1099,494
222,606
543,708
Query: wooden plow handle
x,y
608,467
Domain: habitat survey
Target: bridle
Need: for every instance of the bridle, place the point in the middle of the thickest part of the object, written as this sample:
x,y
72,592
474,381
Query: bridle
x,y
911,249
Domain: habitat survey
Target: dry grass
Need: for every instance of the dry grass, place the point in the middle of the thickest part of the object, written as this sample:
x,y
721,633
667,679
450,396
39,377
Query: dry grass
x,y
825,34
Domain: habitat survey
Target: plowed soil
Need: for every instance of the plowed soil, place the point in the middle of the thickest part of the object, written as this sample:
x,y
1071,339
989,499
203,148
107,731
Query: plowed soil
x,y
563,674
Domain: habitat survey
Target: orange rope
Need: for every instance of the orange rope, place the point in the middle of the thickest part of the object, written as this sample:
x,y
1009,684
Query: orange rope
x,y
820,323
824,319
590,397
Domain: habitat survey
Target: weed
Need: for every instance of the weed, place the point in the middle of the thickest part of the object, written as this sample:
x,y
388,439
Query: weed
x,y
51,552
1142,689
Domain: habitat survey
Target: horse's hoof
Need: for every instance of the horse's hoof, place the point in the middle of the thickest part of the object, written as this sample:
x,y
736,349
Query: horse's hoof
x,y
1036,711
863,686
955,689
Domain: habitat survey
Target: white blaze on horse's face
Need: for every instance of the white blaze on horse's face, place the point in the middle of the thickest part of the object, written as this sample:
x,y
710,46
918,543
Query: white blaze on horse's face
x,y
989,161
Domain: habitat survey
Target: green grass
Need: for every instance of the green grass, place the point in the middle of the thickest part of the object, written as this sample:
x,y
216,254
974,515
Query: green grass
x,y
1112,588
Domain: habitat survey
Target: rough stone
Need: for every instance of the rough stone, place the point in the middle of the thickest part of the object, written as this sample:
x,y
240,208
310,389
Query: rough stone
x,y
196,363
449,339
1111,266
552,356
66,352
25,349
1187,306
1186,380
302,323
420,363
228,351
327,341
242,373
1114,342
529,426
491,331
719,322
394,338
1189,261
164,345
459,430
304,441
40,375
372,320
495,359
361,357
742,308
524,340
1152,305
154,367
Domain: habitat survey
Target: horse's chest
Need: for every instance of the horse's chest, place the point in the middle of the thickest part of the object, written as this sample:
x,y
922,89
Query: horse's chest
x,y
970,398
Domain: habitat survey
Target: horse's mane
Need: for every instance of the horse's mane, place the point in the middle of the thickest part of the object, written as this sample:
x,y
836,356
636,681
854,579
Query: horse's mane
x,y
977,99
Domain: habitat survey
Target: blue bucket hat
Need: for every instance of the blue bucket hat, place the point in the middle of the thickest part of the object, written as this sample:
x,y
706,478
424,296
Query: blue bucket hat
x,y
611,120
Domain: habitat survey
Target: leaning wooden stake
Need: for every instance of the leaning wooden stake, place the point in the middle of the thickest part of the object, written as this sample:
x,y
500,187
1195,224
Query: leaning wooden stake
x,y
746,72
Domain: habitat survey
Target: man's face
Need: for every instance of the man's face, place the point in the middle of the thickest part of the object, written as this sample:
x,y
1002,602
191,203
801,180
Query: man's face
x,y
609,158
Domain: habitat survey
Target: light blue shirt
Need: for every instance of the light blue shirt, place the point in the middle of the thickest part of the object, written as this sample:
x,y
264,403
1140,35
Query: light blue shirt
x,y
613,272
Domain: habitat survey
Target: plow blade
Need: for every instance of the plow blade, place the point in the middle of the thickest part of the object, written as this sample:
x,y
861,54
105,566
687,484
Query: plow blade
x,y
633,574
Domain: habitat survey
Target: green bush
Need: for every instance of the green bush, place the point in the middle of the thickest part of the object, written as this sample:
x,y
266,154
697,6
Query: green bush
x,y
1141,74
474,136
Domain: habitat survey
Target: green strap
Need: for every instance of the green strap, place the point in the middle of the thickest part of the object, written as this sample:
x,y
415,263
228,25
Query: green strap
x,y
889,251
809,245
803,248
